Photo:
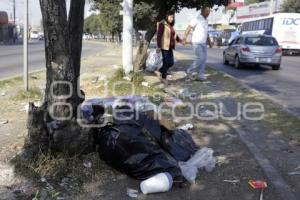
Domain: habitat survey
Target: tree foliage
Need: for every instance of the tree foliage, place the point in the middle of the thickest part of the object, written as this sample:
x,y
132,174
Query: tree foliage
x,y
92,24
291,6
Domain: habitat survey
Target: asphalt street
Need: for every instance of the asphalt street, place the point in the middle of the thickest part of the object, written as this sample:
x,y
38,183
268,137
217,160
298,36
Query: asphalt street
x,y
11,57
281,86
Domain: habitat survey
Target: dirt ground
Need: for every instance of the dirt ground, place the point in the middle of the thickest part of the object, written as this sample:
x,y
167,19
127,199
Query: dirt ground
x,y
99,181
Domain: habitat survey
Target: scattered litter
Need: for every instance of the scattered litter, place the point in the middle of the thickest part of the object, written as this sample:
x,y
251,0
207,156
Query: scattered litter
x,y
186,127
87,164
161,182
145,84
259,185
127,78
171,101
293,173
132,193
60,198
232,181
43,180
184,92
201,159
3,122
208,113
3,94
96,80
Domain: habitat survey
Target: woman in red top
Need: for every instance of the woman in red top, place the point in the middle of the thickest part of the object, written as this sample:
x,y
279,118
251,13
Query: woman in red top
x,y
166,40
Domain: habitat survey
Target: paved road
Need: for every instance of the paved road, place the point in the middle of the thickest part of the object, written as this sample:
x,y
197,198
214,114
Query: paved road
x,y
11,57
282,86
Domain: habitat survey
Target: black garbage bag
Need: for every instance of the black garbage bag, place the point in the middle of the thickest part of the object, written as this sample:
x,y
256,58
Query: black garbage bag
x,y
141,147
179,144
129,149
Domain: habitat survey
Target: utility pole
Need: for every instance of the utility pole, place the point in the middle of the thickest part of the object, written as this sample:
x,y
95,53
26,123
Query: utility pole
x,y
25,46
14,2
127,35
271,7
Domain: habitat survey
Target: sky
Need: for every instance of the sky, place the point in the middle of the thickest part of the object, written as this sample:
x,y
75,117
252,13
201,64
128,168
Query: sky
x,y
35,14
33,10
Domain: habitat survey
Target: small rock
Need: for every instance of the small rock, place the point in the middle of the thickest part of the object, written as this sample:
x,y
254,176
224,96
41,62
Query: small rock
x,y
34,77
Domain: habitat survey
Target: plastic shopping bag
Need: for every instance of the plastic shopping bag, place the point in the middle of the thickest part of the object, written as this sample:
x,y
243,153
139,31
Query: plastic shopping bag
x,y
154,61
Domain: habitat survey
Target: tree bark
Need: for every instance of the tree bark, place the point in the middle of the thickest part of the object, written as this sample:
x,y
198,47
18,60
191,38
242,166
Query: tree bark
x,y
53,126
141,55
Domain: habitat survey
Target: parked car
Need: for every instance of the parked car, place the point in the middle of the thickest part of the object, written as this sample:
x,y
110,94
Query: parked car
x,y
253,49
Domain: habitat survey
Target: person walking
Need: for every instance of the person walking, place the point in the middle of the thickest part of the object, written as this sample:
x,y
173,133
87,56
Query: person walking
x,y
200,39
166,42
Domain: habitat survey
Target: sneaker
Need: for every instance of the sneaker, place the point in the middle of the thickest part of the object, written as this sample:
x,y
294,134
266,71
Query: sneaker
x,y
201,79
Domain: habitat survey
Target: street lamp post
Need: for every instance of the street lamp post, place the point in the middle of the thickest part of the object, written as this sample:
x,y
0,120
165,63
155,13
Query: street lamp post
x,y
127,35
25,46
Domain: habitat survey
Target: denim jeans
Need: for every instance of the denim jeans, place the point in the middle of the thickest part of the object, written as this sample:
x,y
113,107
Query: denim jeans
x,y
200,61
168,61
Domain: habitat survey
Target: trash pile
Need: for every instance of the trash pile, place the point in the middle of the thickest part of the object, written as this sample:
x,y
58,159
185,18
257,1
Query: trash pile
x,y
137,144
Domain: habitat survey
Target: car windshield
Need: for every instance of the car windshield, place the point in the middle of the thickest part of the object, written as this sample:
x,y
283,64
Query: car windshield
x,y
261,41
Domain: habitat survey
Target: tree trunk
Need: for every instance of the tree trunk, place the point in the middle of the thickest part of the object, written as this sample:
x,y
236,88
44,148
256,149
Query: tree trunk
x,y
141,55
53,126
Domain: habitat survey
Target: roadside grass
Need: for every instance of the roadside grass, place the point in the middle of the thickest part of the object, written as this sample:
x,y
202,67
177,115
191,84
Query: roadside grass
x,y
10,82
275,118
32,94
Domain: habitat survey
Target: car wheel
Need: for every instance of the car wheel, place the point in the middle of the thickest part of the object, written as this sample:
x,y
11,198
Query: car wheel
x,y
276,67
225,61
237,63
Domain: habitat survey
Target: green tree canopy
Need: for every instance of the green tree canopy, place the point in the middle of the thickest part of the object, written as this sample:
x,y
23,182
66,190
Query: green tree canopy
x,y
291,6
92,24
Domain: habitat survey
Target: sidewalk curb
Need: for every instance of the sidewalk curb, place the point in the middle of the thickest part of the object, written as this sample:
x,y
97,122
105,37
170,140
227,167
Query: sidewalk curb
x,y
284,190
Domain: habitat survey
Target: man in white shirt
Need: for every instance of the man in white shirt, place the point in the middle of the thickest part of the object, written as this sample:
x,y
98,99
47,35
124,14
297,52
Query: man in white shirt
x,y
200,40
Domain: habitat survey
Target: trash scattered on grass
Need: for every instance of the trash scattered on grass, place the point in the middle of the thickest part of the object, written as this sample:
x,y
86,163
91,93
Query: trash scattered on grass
x,y
293,173
132,193
207,113
186,127
3,122
161,182
145,84
126,78
172,101
87,164
259,185
232,181
201,159
3,94
43,180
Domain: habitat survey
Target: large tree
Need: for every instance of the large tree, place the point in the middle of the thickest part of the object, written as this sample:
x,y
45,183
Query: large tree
x,y
63,45
158,8
291,6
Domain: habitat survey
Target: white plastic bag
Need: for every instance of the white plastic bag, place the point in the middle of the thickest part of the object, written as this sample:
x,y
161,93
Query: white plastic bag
x,y
154,61
201,159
